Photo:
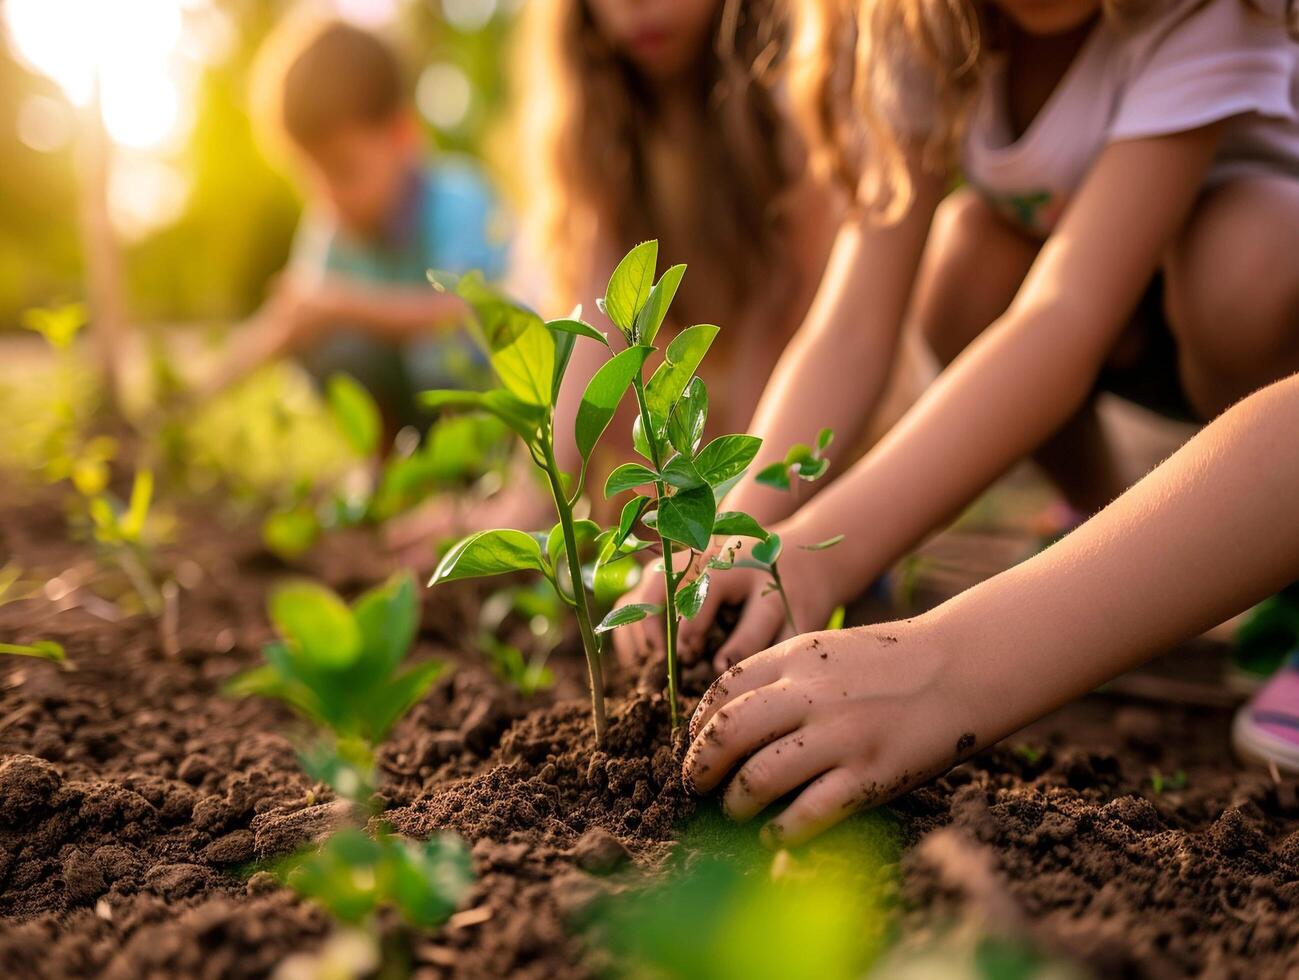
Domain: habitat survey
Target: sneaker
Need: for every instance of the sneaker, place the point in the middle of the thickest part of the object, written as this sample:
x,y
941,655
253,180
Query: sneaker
x,y
1266,729
1269,632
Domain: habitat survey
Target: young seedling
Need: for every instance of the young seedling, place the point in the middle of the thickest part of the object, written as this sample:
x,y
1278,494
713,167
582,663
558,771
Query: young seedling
x,y
539,610
340,668
1160,783
801,462
530,357
41,650
685,479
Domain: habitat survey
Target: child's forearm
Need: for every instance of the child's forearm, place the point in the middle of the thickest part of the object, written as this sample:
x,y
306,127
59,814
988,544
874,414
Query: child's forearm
x,y
392,314
1029,372
1209,532
834,371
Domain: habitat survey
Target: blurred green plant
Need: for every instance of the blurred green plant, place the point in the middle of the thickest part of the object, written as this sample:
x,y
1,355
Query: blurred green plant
x,y
41,650
535,615
341,668
821,913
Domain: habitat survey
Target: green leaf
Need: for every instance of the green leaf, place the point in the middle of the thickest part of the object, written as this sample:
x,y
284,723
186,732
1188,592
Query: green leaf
x,y
520,347
428,879
42,649
823,545
687,517
776,476
655,309
679,363
625,615
391,702
638,440
767,551
289,534
355,413
631,512
490,553
388,617
686,427
691,598
564,344
630,285
578,328
603,394
318,623
523,418
823,440
628,476
680,472
734,523
137,511
614,579
835,622
726,457
812,469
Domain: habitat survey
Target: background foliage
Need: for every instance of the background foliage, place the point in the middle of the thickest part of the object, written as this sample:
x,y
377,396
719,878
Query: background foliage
x,y
232,213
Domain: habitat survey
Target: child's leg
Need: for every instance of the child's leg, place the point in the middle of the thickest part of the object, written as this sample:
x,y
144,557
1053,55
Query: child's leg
x,y
1232,295
973,266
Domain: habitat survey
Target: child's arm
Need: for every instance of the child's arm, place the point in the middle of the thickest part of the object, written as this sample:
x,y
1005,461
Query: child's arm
x,y
1001,399
302,309
846,345
867,713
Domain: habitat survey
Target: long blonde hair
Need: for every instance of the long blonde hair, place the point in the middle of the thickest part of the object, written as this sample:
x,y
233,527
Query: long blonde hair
x,y
851,61
582,114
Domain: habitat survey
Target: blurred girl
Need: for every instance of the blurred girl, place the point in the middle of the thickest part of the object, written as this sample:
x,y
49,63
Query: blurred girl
x,y
652,119
1124,161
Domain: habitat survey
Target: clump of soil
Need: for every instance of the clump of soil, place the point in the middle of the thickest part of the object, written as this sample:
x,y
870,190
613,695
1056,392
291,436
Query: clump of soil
x,y
135,801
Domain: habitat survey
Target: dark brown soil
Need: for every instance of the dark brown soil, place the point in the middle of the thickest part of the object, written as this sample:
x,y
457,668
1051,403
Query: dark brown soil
x,y
135,801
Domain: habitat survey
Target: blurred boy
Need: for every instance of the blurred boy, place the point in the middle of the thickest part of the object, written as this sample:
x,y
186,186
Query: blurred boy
x,y
355,295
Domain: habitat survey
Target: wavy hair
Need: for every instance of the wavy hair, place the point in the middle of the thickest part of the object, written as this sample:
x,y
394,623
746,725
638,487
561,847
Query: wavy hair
x,y
854,60
583,111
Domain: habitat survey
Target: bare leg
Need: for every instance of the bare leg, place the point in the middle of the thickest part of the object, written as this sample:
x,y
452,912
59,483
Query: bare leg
x,y
1233,291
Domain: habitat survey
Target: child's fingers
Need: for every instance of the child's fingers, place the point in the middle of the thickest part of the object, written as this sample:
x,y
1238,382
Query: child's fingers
x,y
739,729
771,772
827,800
758,627
754,673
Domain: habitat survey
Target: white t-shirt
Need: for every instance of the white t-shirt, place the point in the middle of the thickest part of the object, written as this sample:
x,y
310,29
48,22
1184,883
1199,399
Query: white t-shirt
x,y
1198,62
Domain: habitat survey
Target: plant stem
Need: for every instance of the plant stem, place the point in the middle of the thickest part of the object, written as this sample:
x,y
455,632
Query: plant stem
x,y
589,645
784,599
670,579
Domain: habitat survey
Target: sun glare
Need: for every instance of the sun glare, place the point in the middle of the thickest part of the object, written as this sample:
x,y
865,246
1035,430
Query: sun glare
x,y
129,49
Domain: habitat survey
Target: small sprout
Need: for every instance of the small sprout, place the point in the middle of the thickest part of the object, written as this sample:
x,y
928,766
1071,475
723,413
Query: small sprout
x,y
1161,783
835,622
41,650
354,876
58,325
539,610
340,667
1028,753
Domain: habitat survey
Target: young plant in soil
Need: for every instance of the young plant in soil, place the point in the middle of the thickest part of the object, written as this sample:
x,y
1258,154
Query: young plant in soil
x,y
452,454
801,462
519,660
685,479
341,668
530,357
41,650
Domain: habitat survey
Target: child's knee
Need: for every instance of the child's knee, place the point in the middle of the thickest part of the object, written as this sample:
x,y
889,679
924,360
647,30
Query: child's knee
x,y
1233,285
973,265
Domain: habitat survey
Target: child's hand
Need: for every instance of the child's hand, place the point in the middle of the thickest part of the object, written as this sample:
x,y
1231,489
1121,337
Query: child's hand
x,y
809,579
858,715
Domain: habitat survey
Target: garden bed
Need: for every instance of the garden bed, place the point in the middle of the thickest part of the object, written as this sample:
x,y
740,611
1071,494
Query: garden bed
x,y
136,802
